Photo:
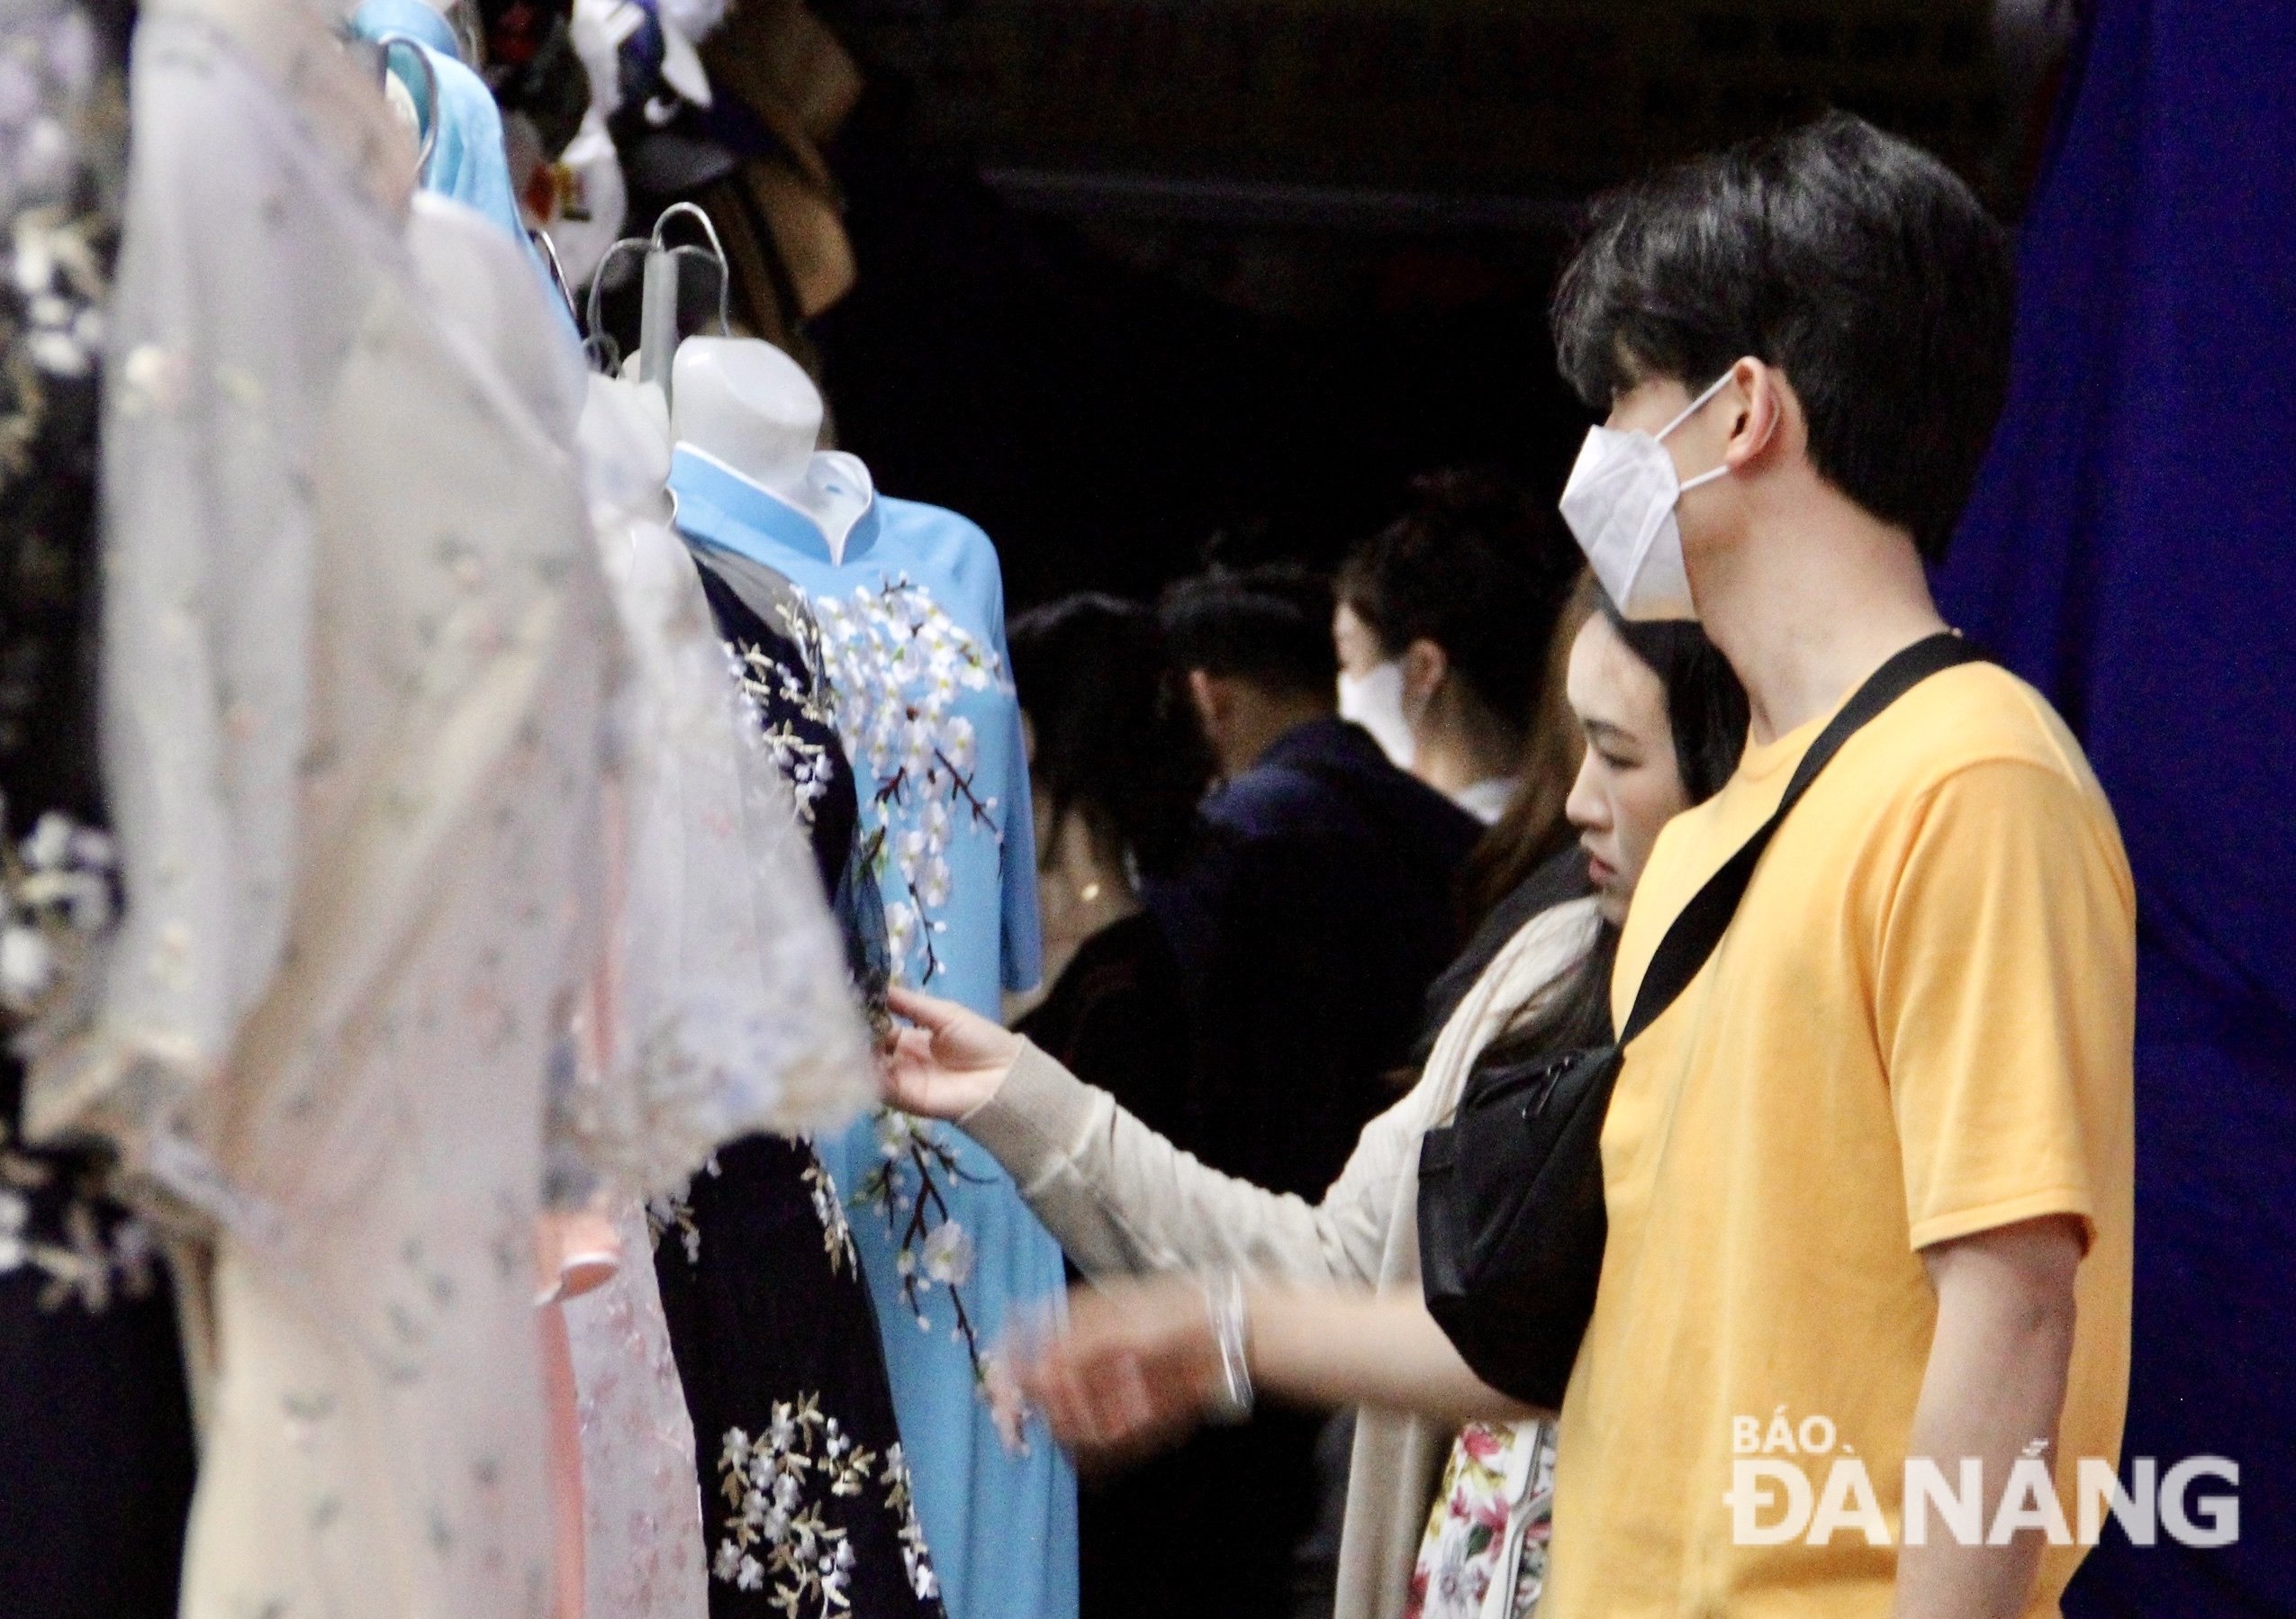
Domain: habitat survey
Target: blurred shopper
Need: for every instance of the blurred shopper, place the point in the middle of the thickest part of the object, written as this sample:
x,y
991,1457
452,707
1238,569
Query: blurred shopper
x,y
1667,720
1118,766
1442,628
1319,909
1310,924
1453,630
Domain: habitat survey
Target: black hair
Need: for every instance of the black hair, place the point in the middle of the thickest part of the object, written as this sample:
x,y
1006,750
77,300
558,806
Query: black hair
x,y
1116,741
1480,569
1706,712
1270,624
1854,263
1706,708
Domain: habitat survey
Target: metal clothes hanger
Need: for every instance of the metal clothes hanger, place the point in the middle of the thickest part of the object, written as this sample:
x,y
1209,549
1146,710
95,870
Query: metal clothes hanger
x,y
657,322
598,343
541,238
426,110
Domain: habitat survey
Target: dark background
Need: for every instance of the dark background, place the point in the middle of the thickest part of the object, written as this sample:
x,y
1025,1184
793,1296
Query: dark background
x,y
1136,274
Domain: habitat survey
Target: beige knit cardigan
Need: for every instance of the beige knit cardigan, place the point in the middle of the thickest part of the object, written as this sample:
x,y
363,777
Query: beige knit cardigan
x,y
1122,1201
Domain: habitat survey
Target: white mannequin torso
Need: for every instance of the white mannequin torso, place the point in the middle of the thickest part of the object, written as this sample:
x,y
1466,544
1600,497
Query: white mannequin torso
x,y
751,408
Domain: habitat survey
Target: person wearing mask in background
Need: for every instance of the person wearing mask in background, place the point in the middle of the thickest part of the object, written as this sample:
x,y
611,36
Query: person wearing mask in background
x,y
1530,859
1442,626
1311,924
1119,765
1318,910
1333,1290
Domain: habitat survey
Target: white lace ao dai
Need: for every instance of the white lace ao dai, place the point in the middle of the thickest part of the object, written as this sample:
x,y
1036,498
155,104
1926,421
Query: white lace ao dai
x,y
355,642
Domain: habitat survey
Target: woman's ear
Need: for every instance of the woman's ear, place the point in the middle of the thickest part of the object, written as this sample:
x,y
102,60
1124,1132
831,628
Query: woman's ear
x,y
1424,667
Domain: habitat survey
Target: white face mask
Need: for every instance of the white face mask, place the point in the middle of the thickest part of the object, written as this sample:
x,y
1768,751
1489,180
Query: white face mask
x,y
1375,702
1620,502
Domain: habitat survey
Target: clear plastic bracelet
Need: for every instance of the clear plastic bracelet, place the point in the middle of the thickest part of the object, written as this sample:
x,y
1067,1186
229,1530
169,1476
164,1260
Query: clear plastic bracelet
x,y
1223,1299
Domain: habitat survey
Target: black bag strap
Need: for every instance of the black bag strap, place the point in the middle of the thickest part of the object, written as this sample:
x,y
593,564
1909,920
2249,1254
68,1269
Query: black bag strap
x,y
1702,922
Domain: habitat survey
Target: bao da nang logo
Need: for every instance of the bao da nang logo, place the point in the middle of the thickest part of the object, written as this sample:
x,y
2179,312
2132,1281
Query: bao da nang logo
x,y
1796,1481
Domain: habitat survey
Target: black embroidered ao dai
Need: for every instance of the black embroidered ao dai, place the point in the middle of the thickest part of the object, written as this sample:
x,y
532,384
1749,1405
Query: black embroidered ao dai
x,y
806,1494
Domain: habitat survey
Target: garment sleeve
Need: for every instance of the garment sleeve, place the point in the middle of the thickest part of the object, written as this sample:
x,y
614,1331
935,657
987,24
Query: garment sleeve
x,y
1121,1198
1022,935
2005,996
207,600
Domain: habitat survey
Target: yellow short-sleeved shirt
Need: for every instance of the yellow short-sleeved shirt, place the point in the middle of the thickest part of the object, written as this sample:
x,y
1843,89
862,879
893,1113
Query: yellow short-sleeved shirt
x,y
1919,1026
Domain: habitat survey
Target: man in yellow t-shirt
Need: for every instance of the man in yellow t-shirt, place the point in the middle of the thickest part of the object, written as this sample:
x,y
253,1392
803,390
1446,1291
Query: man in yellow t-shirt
x,y
1869,1179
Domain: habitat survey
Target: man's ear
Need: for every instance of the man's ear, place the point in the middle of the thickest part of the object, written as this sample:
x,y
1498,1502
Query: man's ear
x,y
1766,414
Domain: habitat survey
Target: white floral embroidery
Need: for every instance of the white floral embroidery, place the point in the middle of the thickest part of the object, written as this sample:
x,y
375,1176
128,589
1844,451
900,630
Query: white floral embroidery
x,y
776,1487
55,890
778,688
55,899
898,662
900,1496
674,1211
16,1214
94,1255
930,1247
836,1235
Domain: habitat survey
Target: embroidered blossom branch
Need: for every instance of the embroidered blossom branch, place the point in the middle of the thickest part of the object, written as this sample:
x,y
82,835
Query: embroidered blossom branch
x,y
930,1248
899,662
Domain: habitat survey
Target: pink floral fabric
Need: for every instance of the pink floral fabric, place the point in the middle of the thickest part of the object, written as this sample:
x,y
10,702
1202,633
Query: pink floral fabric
x,y
1485,1553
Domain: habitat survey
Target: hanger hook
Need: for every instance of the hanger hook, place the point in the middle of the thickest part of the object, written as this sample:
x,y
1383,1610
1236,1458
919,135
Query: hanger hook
x,y
717,250
597,334
428,111
541,238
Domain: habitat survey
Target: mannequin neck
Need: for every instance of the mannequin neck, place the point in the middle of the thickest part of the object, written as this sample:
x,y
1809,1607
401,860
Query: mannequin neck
x,y
830,515
752,409
749,407
774,463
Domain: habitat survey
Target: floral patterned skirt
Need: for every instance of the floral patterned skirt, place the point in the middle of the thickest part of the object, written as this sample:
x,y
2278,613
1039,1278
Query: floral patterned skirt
x,y
806,1495
1485,1554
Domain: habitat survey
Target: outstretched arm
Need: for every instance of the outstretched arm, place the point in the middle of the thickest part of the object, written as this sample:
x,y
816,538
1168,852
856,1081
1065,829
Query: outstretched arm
x,y
1138,1364
1121,1198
